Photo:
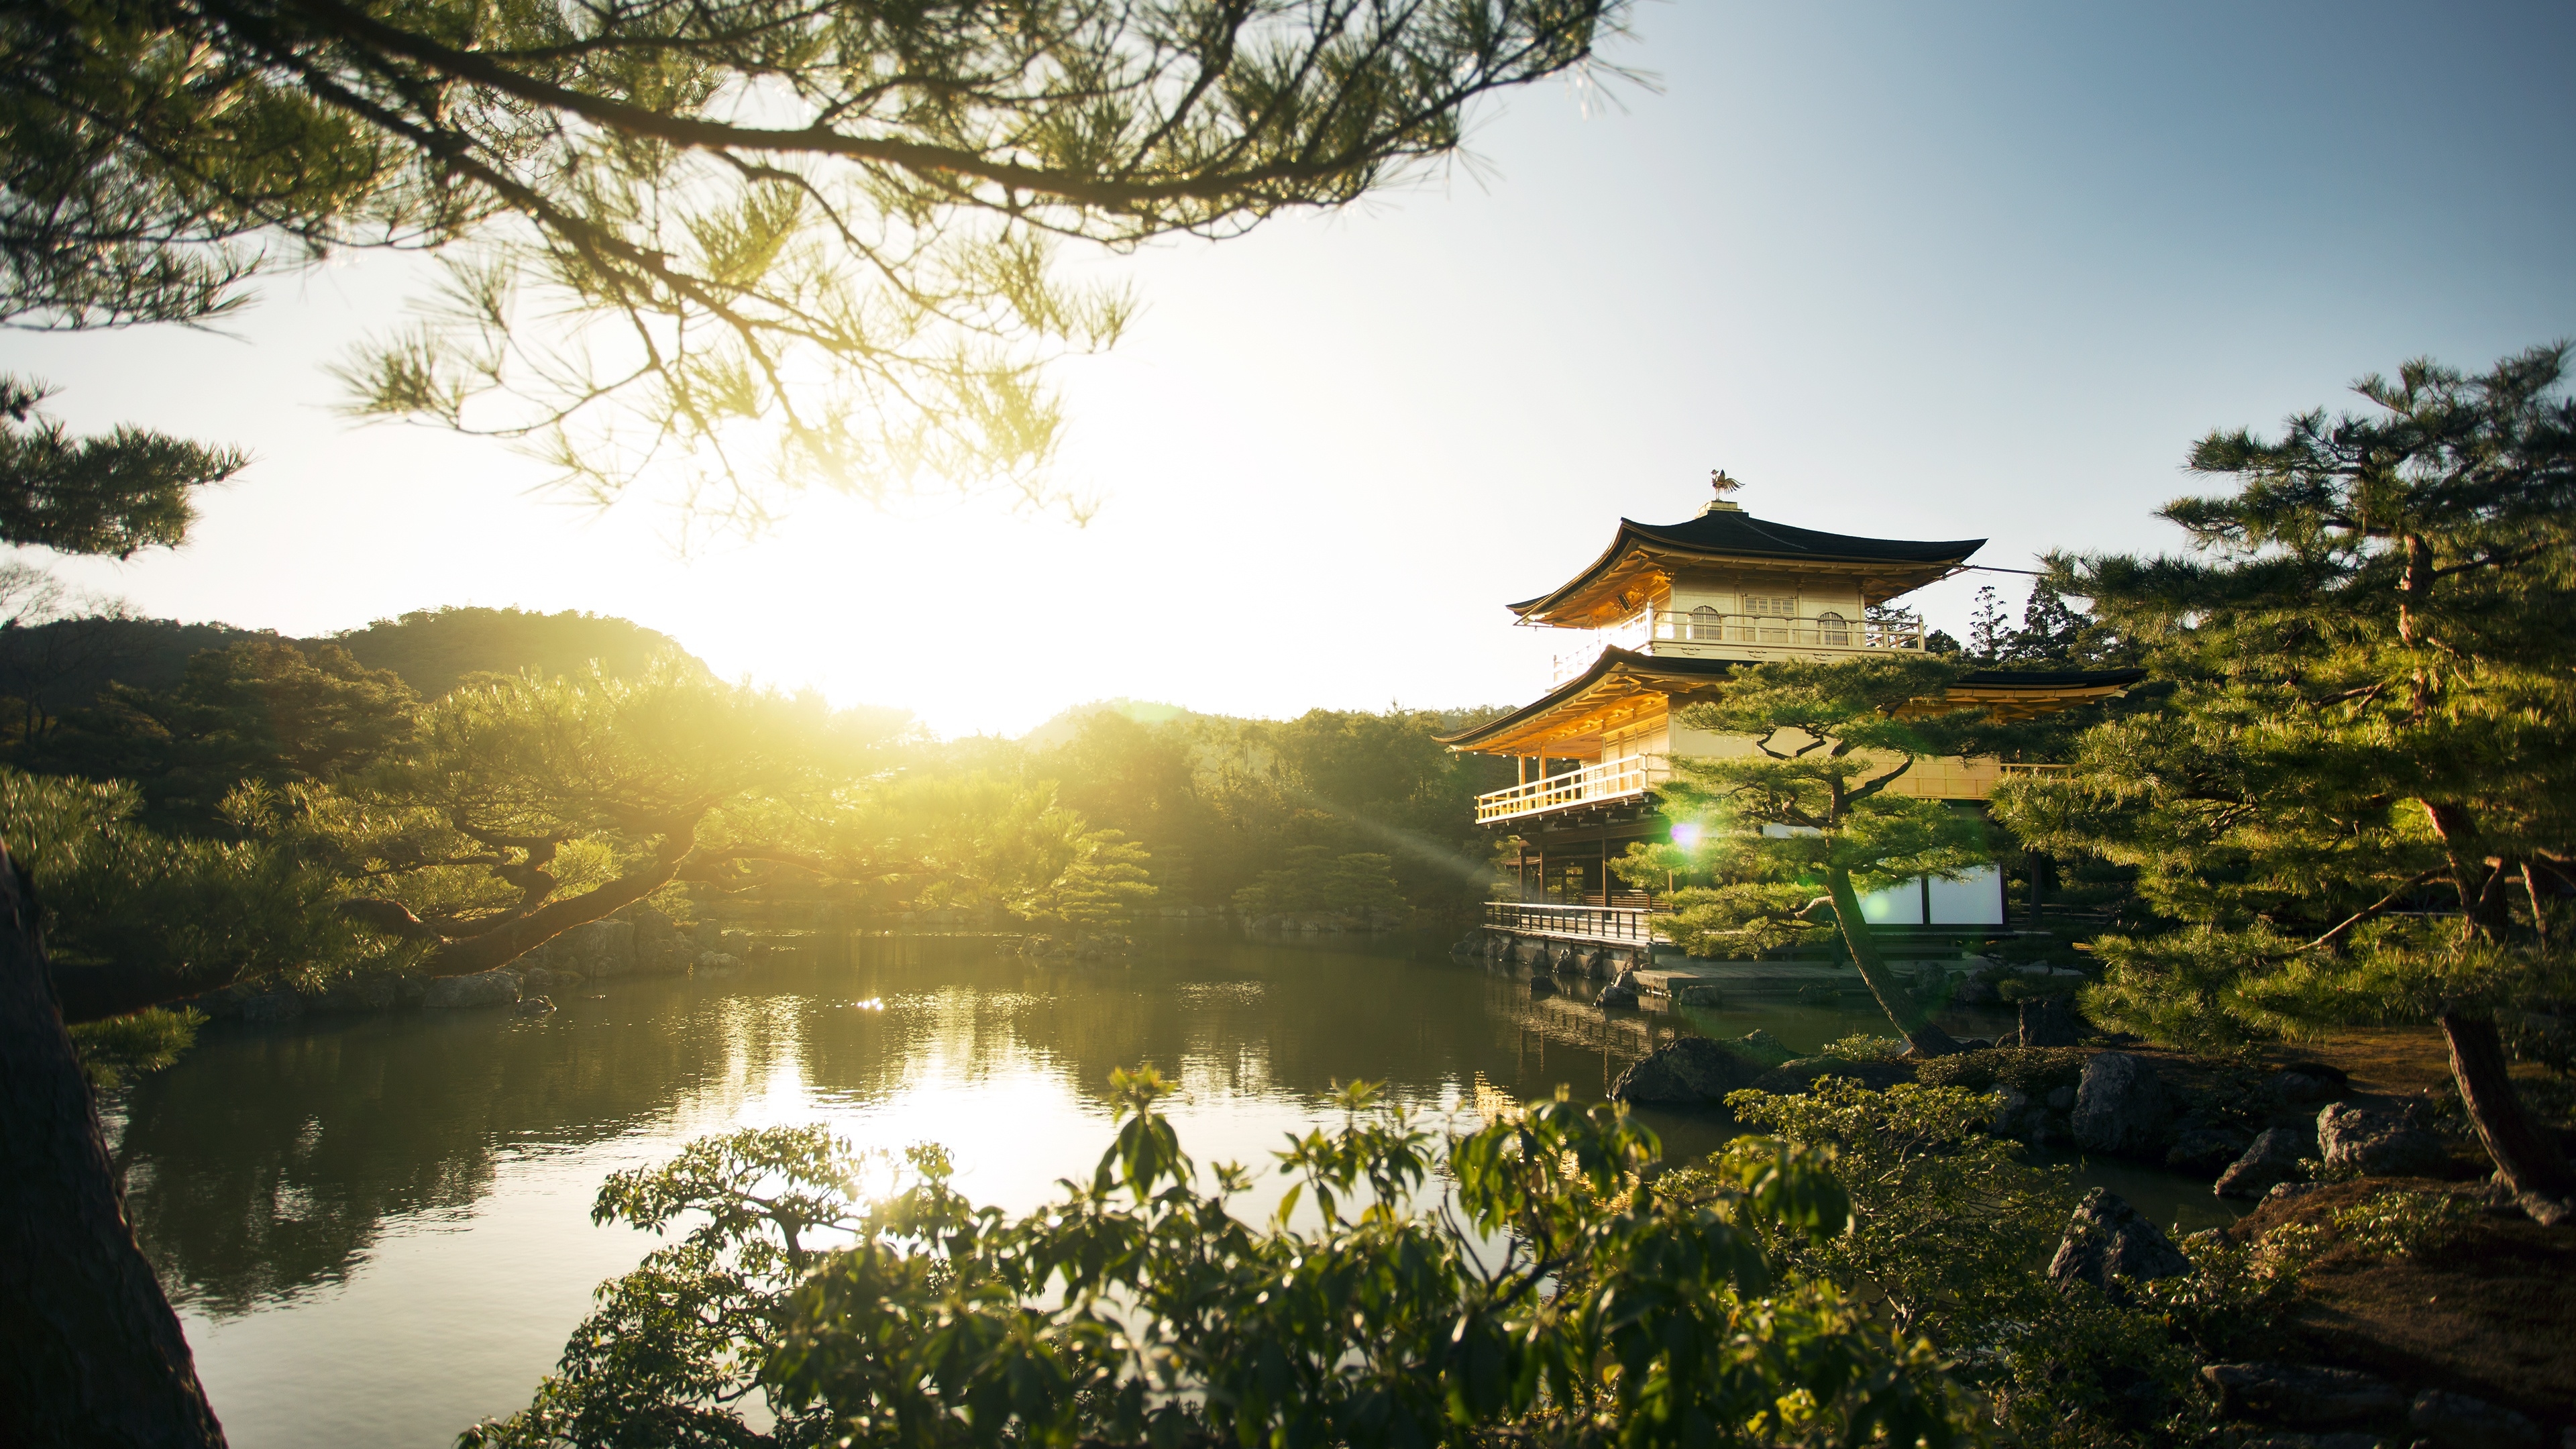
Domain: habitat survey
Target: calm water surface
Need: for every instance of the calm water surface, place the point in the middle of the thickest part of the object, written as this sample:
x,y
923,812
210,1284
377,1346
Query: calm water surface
x,y
378,1230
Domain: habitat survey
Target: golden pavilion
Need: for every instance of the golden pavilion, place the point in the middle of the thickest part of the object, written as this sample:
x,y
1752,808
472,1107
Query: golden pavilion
x,y
1665,612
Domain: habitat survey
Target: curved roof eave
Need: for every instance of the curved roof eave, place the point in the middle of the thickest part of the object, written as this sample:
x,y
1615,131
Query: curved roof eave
x,y
1744,536
1615,658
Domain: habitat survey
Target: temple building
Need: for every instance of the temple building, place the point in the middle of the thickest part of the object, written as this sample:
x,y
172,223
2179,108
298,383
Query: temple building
x,y
1664,613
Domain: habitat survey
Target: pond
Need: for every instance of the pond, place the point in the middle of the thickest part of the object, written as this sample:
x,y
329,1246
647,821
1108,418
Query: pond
x,y
377,1228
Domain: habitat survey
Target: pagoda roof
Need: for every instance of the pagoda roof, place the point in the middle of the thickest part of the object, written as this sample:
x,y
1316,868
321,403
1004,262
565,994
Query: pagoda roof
x,y
1888,566
1620,675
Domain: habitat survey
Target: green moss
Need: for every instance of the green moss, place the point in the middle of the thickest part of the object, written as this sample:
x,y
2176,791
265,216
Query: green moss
x,y
2032,1071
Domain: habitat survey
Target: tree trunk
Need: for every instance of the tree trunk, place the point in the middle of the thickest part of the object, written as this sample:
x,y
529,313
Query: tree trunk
x,y
2527,1156
1910,1016
90,1353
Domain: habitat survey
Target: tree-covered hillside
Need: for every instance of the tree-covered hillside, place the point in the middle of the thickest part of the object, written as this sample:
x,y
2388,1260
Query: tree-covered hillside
x,y
433,648
54,668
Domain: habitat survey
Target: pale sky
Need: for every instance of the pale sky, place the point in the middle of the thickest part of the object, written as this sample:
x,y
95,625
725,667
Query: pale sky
x,y
1906,270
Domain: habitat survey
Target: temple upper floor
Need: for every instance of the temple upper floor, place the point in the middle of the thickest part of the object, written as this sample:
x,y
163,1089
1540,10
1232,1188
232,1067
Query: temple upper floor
x,y
1728,585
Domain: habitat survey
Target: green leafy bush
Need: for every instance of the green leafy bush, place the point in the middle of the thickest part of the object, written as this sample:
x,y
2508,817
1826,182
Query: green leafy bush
x,y
2032,1071
1557,1292
1862,1047
1951,1234
2404,1224
1315,879
2231,1305
2033,988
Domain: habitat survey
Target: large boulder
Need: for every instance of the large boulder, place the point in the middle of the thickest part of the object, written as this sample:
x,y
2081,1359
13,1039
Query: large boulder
x,y
595,948
360,993
1687,1071
2107,1240
2050,1021
2207,1150
2121,1108
2457,1421
2273,1159
653,943
1761,1046
484,988
2305,1084
279,1005
2276,1393
2378,1144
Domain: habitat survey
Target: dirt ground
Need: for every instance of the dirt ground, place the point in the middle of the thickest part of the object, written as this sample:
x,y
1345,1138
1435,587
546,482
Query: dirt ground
x,y
2492,1314
2399,1061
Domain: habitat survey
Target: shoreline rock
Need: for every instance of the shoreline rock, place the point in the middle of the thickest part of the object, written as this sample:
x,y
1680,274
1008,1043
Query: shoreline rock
x,y
1689,1071
2273,1159
2121,1107
498,987
2107,1240
2379,1144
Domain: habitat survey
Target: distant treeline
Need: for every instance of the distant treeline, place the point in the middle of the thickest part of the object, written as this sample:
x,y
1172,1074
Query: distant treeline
x,y
1333,812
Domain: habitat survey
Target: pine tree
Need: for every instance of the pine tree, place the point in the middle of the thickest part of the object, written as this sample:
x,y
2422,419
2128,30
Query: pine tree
x,y
2359,805
1989,627
1795,829
1102,886
2056,635
116,494
665,227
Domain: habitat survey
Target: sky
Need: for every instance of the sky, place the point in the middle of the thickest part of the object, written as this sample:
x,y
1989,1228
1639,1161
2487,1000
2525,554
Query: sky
x,y
1909,271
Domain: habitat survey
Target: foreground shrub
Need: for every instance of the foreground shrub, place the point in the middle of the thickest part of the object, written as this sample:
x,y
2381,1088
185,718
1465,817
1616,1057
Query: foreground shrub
x,y
1556,1293
1952,1232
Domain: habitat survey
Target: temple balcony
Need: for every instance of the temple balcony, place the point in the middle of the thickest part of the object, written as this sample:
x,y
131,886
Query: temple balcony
x,y
1591,785
1932,778
1707,633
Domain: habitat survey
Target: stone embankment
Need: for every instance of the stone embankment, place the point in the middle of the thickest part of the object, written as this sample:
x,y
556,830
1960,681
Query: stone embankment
x,y
1656,972
639,941
2249,1130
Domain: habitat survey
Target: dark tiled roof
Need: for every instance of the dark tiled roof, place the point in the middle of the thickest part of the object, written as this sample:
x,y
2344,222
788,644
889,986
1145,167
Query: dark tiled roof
x,y
1750,537
1714,668
2042,678
1726,532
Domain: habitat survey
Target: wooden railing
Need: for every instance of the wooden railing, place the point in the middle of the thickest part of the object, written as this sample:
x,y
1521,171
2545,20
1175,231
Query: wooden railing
x,y
1830,631
1696,626
1593,784
1589,923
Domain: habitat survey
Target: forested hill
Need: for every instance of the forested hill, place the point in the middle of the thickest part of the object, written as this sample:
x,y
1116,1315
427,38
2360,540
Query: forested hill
x,y
63,666
433,648
1065,725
